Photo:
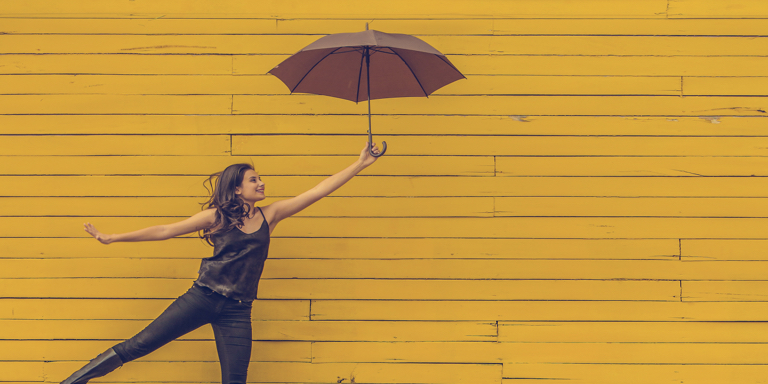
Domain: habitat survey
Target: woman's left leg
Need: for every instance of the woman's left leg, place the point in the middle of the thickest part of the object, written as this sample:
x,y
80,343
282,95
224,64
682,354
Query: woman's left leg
x,y
232,329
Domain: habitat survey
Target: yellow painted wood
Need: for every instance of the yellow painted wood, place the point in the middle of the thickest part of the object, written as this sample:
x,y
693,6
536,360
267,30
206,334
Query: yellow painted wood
x,y
424,26
184,350
93,289
666,27
632,373
329,248
708,8
116,64
24,370
581,353
115,104
655,207
396,125
505,105
267,84
25,330
552,65
343,8
181,207
318,270
268,166
344,268
129,309
509,145
332,289
536,311
449,45
142,84
724,250
276,372
498,227
725,290
632,166
115,145
633,332
710,86
284,186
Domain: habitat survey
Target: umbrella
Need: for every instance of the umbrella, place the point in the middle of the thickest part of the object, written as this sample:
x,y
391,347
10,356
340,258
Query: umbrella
x,y
367,65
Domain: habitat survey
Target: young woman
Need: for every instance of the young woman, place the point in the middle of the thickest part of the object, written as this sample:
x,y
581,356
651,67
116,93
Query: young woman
x,y
222,294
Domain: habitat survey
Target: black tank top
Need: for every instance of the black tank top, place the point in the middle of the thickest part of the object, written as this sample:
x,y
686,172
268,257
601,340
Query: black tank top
x,y
237,262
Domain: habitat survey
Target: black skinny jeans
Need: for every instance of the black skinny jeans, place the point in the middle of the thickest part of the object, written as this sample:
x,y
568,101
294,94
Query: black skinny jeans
x,y
230,319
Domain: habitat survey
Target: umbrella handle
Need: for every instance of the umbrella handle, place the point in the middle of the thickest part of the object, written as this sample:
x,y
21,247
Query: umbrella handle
x,y
383,149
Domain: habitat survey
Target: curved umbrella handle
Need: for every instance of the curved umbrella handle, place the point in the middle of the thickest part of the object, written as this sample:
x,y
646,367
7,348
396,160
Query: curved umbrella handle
x,y
370,143
383,149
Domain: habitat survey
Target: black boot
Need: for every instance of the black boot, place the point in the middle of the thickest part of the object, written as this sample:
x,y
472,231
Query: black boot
x,y
100,366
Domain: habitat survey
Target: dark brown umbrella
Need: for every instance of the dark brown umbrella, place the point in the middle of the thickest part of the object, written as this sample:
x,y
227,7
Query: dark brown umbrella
x,y
367,65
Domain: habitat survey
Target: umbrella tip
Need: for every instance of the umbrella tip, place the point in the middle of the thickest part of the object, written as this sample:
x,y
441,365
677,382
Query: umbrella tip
x,y
366,26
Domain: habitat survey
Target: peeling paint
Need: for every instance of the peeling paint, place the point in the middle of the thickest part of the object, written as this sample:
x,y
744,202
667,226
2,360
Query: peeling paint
x,y
522,119
713,120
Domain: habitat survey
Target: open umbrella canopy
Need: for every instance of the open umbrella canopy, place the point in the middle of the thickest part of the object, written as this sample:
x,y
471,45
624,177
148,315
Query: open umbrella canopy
x,y
336,65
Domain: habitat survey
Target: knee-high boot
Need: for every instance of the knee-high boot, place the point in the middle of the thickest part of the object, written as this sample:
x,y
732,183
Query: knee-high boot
x,y
100,366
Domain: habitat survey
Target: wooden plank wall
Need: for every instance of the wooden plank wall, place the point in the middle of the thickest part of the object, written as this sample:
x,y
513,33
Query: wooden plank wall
x,y
589,205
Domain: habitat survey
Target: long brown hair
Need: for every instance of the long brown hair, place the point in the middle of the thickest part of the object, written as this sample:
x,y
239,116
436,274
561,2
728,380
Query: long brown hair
x,y
230,208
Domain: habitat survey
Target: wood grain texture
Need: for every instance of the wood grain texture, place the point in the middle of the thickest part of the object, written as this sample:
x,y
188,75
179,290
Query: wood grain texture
x,y
516,125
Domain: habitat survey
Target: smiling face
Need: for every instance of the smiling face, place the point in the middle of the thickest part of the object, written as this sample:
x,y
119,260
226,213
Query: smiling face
x,y
252,188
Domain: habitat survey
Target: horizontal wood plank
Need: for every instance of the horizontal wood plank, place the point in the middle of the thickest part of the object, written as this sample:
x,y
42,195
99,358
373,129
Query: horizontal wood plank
x,y
632,373
180,350
575,353
129,309
525,65
725,290
634,207
346,266
538,146
711,86
204,166
267,84
734,9
413,26
504,105
285,44
730,250
115,145
25,330
334,289
397,186
117,64
633,332
383,227
391,125
336,8
632,166
329,248
181,207
277,372
115,104
536,311
512,290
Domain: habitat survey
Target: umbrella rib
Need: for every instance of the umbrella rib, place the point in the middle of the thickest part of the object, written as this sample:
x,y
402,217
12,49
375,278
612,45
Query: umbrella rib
x,y
414,75
313,67
451,65
360,76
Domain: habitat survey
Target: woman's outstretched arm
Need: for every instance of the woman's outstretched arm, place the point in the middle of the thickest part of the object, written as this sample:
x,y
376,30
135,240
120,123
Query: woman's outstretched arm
x,y
289,207
195,223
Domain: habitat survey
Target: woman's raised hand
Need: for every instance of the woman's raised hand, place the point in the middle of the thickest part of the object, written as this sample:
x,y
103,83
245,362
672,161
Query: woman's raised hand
x,y
365,157
104,239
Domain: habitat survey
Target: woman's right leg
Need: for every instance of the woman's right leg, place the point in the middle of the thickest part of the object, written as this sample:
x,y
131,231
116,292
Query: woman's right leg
x,y
187,313
190,311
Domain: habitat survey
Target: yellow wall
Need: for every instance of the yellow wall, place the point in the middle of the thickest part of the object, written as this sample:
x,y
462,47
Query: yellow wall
x,y
590,204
